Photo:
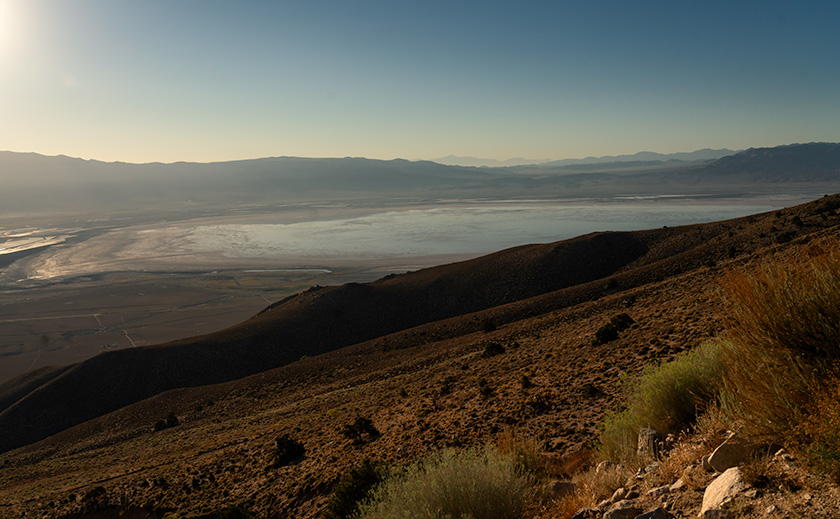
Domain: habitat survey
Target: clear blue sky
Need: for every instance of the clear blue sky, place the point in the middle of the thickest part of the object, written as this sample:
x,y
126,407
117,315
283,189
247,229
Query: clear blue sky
x,y
204,80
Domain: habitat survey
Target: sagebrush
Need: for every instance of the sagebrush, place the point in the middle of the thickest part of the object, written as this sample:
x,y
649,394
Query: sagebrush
x,y
477,483
667,397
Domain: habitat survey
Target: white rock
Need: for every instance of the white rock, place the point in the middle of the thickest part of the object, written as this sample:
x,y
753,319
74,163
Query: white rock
x,y
724,487
618,495
678,485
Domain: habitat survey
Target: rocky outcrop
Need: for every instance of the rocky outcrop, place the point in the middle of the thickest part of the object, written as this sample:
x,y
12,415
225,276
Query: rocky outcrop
x,y
731,453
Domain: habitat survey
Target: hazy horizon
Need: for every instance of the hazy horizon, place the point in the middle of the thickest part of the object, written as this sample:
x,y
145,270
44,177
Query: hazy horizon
x,y
197,81
502,162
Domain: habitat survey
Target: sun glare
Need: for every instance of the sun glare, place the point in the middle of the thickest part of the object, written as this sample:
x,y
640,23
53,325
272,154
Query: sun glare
x,y
8,26
5,25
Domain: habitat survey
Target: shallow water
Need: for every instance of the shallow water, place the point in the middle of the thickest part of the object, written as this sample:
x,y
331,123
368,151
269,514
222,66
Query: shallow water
x,y
462,229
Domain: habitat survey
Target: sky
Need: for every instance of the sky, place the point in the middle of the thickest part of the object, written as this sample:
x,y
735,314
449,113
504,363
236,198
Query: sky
x,y
213,80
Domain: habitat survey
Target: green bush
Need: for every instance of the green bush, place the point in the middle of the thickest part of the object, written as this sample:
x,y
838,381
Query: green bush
x,y
478,484
354,488
667,397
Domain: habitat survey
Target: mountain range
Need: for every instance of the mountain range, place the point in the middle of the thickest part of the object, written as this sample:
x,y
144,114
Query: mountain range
x,y
40,184
642,156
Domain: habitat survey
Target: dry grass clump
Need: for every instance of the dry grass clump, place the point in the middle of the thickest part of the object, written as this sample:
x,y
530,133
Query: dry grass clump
x,y
525,452
477,483
820,433
783,337
592,486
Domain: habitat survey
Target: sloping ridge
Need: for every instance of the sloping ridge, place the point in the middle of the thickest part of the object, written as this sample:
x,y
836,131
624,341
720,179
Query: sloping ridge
x,y
313,322
325,319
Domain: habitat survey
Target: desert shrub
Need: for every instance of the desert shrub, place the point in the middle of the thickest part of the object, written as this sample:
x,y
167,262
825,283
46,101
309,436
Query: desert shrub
x,y
667,397
361,431
446,385
593,486
525,452
488,325
783,337
610,331
234,512
819,434
605,334
785,236
170,421
354,488
492,349
478,483
484,387
287,450
622,321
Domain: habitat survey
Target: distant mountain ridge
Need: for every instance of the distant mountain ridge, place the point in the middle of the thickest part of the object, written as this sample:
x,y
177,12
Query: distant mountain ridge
x,y
457,160
38,184
642,156
704,154
811,162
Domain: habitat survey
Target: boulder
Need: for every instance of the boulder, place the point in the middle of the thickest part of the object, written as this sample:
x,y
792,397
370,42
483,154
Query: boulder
x,y
658,491
626,509
656,513
731,453
587,513
618,495
722,490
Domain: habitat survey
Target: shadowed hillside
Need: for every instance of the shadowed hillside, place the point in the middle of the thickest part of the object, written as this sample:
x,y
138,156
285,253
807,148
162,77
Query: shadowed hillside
x,y
325,319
